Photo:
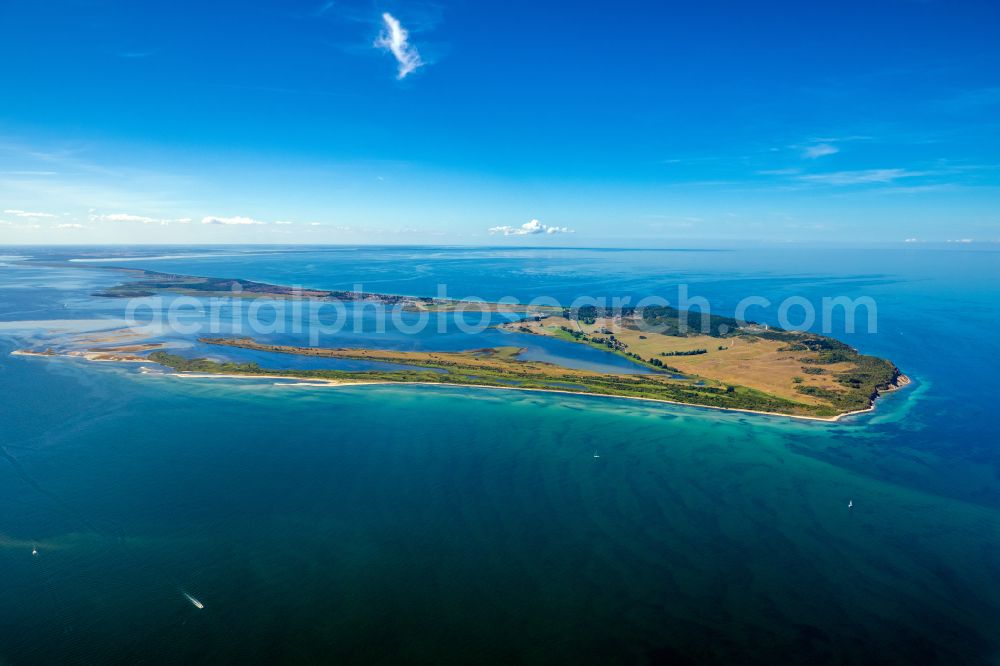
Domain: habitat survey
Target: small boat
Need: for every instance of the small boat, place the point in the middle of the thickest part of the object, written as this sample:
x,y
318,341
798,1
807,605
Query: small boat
x,y
34,552
596,454
850,504
194,602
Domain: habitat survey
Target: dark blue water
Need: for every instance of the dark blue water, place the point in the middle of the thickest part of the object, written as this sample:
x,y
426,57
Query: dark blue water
x,y
445,525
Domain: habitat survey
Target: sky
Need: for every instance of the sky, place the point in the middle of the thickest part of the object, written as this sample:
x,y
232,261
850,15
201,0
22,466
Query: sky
x,y
505,123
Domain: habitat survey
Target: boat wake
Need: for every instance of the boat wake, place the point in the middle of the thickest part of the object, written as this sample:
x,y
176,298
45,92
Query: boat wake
x,y
194,602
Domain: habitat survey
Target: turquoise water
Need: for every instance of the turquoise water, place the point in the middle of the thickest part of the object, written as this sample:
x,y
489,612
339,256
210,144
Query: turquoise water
x,y
445,525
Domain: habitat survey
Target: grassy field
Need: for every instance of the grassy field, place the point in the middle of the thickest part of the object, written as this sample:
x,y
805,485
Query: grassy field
x,y
744,360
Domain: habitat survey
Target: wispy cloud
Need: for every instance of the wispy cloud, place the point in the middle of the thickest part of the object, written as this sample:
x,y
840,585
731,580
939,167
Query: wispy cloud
x,y
921,189
395,39
70,225
28,214
5,223
324,8
19,225
841,138
129,218
861,177
779,172
819,150
237,220
970,100
122,217
529,229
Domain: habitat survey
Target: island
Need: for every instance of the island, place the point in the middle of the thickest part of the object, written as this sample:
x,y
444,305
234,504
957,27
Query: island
x,y
689,357
151,283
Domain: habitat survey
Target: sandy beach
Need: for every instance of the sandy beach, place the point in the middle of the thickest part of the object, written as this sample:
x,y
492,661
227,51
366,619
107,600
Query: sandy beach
x,y
302,381
99,357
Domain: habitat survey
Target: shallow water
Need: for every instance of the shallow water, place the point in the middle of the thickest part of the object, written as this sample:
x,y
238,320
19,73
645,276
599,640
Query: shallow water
x,y
449,525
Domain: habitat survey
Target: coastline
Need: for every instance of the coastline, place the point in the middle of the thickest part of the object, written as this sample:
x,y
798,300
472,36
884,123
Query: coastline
x,y
96,356
902,382
862,388
303,381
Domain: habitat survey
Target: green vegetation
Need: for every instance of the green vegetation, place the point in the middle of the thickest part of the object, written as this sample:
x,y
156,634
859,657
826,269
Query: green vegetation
x,y
208,366
757,371
671,321
867,376
497,367
825,372
665,320
150,283
609,343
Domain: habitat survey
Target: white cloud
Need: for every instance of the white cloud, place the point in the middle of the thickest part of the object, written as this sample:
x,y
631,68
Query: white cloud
x,y
819,150
283,222
70,226
229,220
911,240
779,172
529,229
395,39
6,223
25,213
129,217
860,177
324,8
126,217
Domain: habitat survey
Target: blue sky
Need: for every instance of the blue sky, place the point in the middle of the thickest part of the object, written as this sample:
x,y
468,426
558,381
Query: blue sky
x,y
625,123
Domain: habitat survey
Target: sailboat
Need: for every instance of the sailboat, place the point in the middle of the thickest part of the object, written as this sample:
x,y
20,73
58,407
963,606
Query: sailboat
x,y
850,504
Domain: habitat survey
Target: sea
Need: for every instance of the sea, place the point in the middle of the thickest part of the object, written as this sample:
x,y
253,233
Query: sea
x,y
393,524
